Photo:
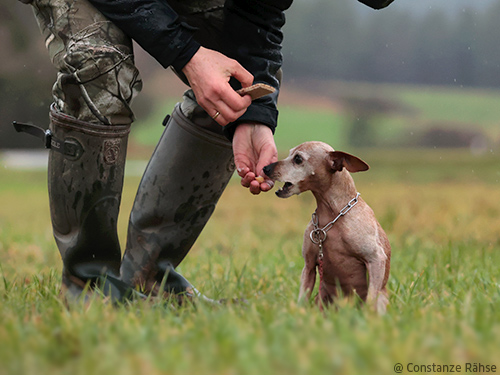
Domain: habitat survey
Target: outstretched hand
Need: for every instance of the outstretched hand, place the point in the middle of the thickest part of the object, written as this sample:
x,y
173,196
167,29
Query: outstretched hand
x,y
208,73
254,148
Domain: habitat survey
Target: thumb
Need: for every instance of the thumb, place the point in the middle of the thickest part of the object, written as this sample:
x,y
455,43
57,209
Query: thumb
x,y
242,164
242,75
267,156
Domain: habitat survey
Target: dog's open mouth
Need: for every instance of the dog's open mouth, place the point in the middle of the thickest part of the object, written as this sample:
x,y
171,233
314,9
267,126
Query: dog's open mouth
x,y
284,190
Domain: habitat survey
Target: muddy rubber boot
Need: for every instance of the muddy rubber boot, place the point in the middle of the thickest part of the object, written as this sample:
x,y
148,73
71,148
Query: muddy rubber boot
x,y
183,181
85,180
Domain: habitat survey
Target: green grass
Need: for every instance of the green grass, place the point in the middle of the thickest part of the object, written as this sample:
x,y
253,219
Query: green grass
x,y
440,209
426,166
300,124
296,125
442,221
420,108
148,131
456,109
469,107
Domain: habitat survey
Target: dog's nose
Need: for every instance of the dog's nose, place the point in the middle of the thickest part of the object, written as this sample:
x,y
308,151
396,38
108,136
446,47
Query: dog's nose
x,y
267,169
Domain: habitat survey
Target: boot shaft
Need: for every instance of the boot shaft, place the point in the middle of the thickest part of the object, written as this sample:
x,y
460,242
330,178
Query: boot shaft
x,y
181,186
85,194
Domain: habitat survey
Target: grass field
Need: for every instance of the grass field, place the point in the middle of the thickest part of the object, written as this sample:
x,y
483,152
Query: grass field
x,y
444,302
440,209
416,109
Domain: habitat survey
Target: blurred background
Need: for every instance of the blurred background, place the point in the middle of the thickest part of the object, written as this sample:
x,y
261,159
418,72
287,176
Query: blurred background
x,y
413,89
419,74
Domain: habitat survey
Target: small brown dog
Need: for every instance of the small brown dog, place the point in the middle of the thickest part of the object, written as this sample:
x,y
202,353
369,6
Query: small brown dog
x,y
344,239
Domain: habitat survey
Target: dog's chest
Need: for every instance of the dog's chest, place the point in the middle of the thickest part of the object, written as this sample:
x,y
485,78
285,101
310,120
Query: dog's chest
x,y
336,250
339,265
331,246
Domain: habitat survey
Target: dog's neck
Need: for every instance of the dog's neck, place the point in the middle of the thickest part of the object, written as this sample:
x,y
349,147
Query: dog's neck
x,y
330,200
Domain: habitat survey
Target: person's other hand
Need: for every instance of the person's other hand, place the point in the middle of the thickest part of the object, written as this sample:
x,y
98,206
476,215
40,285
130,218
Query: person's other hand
x,y
208,73
254,148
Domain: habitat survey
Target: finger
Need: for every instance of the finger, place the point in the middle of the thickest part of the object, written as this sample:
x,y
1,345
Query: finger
x,y
227,114
237,103
241,160
242,75
267,185
219,118
242,171
247,180
255,187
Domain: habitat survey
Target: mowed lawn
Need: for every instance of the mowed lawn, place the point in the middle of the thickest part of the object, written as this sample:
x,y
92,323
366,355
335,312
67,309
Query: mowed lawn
x,y
440,209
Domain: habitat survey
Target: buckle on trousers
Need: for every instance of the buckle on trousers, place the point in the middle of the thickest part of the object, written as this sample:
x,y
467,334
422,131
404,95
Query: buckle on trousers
x,y
68,147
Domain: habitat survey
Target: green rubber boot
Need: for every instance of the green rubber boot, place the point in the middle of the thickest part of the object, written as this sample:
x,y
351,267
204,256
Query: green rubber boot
x,y
183,181
85,180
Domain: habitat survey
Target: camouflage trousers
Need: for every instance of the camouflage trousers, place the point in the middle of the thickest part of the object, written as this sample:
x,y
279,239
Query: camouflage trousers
x,y
97,78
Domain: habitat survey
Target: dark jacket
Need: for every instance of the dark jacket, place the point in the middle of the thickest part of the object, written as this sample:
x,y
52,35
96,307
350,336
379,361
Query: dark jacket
x,y
253,37
376,4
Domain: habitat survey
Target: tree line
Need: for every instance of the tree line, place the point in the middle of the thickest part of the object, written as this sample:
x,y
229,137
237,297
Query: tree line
x,y
333,40
324,39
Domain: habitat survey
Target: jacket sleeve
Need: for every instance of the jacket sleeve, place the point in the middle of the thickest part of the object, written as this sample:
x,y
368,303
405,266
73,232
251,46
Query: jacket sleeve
x,y
253,37
376,4
155,26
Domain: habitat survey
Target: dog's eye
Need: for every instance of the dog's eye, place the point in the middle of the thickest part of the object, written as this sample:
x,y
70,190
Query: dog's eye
x,y
297,159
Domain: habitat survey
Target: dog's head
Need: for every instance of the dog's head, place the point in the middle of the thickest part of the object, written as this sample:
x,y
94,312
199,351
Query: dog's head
x,y
312,166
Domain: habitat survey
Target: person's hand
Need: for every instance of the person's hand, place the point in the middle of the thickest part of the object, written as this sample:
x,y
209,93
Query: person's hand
x,y
254,148
208,73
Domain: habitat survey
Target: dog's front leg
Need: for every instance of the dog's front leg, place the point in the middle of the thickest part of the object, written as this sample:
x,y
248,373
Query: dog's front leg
x,y
307,281
376,272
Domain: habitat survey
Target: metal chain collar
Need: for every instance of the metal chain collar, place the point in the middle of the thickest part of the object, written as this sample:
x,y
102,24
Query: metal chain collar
x,y
318,235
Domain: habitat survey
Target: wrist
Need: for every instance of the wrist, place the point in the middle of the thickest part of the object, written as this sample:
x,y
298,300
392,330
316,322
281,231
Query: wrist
x,y
186,56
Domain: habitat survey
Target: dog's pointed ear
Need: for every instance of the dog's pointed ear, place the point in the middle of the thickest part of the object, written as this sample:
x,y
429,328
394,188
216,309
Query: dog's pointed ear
x,y
340,160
